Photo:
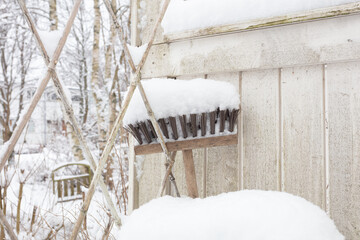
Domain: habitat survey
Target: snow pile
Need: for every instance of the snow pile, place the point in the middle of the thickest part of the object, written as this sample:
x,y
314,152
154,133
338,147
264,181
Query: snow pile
x,y
50,40
53,217
245,215
169,97
137,52
206,13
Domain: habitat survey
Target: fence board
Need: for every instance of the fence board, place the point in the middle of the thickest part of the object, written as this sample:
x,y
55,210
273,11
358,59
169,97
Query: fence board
x,y
303,137
150,176
283,138
344,146
72,192
260,107
222,163
179,173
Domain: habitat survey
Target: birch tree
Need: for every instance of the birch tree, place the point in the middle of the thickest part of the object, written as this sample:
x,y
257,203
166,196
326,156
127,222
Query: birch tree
x,y
75,68
74,141
53,15
109,54
96,84
16,52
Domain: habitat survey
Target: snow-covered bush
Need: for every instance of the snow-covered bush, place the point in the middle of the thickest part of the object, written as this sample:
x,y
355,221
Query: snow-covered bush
x,y
245,215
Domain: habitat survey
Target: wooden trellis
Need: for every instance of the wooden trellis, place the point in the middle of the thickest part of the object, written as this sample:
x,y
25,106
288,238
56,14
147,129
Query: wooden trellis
x,y
51,64
64,101
68,108
9,147
135,82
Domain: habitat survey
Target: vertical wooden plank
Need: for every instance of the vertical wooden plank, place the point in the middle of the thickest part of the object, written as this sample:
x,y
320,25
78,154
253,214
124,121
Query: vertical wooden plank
x,y
302,89
66,188
241,138
133,202
59,188
133,198
85,181
326,140
204,178
135,36
221,170
190,176
53,182
78,186
151,12
344,146
72,192
152,169
199,156
222,165
260,107
179,173
281,164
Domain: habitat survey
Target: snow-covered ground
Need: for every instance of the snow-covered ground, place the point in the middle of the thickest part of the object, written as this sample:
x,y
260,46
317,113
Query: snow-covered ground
x,y
184,15
52,217
245,215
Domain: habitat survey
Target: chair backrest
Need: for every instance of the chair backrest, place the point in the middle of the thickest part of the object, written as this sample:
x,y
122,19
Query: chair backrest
x,y
68,188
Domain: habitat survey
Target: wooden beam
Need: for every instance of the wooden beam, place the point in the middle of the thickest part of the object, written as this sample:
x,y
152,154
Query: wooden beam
x,y
187,144
133,191
190,175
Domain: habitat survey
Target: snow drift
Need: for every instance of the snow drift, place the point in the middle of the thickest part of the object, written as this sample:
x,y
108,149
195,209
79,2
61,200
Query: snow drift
x,y
245,215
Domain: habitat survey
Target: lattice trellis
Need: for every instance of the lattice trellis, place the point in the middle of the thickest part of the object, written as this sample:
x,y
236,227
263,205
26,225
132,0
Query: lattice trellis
x,y
51,73
184,146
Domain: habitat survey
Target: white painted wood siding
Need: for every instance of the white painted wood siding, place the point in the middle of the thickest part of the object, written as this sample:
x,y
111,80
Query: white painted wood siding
x,y
299,125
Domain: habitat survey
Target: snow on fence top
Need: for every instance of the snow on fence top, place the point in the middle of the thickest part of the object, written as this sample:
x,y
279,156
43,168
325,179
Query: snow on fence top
x,y
246,215
184,15
169,97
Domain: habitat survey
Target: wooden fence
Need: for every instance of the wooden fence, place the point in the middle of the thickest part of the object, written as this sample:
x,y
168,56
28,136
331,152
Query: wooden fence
x,y
68,188
299,125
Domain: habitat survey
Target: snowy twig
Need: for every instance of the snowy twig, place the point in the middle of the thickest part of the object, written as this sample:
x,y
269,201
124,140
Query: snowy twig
x,y
7,226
